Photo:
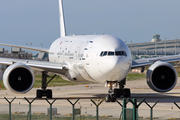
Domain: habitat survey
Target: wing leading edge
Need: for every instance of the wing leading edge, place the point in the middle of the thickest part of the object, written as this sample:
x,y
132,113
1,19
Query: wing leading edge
x,y
27,47
148,61
54,67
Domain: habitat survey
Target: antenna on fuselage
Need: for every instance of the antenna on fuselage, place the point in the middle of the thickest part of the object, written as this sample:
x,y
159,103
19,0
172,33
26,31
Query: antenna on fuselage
x,y
62,23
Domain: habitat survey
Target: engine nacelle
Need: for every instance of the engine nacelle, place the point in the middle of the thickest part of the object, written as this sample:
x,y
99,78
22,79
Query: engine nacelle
x,y
18,78
161,76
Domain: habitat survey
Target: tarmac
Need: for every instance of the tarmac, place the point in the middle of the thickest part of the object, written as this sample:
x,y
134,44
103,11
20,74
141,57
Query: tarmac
x,y
165,108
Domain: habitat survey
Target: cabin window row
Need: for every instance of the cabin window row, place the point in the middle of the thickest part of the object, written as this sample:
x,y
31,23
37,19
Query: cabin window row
x,y
113,53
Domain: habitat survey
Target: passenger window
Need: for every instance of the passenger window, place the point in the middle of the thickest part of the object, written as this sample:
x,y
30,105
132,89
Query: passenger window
x,y
111,53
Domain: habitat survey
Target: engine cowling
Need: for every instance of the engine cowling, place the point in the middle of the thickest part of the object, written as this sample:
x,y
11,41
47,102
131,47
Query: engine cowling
x,y
161,76
18,78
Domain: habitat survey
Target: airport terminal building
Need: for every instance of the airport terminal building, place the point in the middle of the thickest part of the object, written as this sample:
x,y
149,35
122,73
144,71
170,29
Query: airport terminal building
x,y
155,48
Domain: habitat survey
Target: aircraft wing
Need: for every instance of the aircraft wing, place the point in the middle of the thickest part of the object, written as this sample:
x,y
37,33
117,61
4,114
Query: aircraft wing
x,y
148,61
38,65
27,47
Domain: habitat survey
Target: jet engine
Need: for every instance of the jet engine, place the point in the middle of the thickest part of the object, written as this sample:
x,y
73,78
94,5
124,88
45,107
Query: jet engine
x,y
161,76
18,78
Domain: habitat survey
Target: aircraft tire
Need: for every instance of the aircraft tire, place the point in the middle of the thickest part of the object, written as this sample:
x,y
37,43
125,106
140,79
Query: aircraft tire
x,y
118,92
113,98
127,92
107,98
49,93
39,94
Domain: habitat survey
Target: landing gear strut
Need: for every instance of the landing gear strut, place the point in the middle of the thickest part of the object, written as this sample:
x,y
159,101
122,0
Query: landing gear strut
x,y
125,92
44,91
110,97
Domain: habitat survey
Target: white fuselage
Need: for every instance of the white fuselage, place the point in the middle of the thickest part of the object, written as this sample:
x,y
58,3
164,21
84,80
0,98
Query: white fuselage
x,y
97,58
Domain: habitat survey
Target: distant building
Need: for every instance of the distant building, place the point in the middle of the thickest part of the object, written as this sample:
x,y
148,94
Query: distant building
x,y
41,56
156,38
155,48
16,53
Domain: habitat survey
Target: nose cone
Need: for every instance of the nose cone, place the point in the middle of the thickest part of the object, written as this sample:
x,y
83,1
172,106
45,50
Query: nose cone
x,y
118,68
114,68
114,64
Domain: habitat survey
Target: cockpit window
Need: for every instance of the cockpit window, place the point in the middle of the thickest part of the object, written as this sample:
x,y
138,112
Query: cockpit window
x,y
112,53
118,53
101,54
123,53
105,53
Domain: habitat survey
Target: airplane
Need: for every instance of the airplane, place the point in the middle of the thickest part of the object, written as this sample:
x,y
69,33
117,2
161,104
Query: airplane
x,y
96,58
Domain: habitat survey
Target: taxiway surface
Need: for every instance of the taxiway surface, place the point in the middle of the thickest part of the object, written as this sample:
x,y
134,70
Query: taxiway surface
x,y
139,89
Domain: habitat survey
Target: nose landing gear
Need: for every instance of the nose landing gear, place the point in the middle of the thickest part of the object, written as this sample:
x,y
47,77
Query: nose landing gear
x,y
110,97
125,92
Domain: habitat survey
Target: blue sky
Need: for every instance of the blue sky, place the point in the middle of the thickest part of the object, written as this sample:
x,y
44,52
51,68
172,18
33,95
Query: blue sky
x,y
37,21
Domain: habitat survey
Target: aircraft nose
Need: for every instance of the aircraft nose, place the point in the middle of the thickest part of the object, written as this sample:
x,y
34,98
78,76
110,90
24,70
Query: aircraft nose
x,y
113,64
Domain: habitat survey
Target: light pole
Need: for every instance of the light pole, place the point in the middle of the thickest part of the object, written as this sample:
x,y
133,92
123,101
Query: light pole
x,y
31,46
155,48
165,45
131,46
175,46
178,47
27,45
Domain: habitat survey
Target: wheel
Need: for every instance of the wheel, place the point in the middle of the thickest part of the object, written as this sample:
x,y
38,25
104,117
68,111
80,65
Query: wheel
x,y
107,98
113,98
127,92
118,92
49,93
39,94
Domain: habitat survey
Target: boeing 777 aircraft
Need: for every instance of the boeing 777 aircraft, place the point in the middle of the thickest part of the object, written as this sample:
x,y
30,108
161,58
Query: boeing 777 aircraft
x,y
96,58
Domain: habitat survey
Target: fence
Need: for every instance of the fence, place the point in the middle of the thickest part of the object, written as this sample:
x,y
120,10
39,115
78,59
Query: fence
x,y
84,109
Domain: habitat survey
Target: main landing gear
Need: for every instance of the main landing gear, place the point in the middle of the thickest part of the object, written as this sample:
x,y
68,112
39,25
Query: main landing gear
x,y
117,92
44,91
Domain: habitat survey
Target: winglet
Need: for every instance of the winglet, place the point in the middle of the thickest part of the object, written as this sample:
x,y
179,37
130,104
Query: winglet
x,y
62,23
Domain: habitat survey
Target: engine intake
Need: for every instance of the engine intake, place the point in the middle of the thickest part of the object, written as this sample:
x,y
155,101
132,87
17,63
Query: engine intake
x,y
18,78
161,77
